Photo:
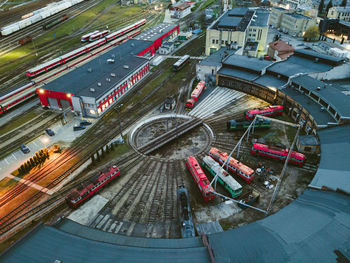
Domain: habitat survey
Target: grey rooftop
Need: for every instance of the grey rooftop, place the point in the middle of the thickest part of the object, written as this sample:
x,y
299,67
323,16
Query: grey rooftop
x,y
216,58
331,95
79,81
334,168
244,62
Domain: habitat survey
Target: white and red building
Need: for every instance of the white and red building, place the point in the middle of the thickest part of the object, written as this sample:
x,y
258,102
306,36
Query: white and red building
x,y
180,10
91,89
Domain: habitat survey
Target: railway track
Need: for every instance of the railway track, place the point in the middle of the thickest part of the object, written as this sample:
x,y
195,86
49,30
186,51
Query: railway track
x,y
10,42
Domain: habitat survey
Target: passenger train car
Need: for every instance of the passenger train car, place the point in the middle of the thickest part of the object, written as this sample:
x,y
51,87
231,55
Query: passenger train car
x,y
185,214
86,37
267,111
278,153
195,95
47,66
233,125
181,63
99,35
90,187
224,178
233,165
200,178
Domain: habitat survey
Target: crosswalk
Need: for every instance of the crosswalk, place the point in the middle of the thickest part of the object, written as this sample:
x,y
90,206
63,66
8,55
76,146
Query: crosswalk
x,y
216,100
106,223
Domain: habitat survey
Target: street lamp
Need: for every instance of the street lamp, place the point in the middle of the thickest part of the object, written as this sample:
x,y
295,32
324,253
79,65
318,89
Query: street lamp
x,y
121,141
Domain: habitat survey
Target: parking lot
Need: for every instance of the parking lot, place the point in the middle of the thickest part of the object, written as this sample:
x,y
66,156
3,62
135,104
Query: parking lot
x,y
64,135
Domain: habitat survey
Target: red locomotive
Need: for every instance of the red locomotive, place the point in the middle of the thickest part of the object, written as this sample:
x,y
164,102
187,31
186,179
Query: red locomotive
x,y
278,153
233,165
200,178
267,111
91,186
195,94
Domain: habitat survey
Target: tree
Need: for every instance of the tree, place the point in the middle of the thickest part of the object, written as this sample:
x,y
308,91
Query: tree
x,y
311,33
330,4
320,7
343,3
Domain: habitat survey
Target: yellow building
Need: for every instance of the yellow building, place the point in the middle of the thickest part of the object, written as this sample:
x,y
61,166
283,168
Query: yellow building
x,y
339,12
276,16
235,28
296,24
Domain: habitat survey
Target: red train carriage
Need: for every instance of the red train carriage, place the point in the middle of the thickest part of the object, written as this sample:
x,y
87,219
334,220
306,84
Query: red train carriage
x,y
267,111
195,94
200,178
277,153
90,187
235,166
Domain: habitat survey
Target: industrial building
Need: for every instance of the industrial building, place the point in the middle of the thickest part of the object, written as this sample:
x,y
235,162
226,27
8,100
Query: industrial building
x,y
91,89
160,33
238,28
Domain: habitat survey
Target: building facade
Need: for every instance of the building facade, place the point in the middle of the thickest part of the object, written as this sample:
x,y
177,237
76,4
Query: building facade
x,y
338,12
276,16
296,24
235,28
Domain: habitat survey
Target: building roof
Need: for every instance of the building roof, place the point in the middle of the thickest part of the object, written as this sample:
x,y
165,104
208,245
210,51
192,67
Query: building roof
x,y
284,49
261,18
307,230
334,168
155,32
181,6
79,81
311,54
238,73
322,118
342,9
310,229
297,16
268,80
236,19
280,8
308,140
329,94
244,62
251,46
216,58
296,65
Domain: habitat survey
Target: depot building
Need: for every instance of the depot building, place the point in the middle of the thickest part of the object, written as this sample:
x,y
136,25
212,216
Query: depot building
x,y
91,89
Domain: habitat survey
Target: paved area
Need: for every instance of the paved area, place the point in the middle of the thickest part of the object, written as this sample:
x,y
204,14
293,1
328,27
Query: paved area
x,y
63,134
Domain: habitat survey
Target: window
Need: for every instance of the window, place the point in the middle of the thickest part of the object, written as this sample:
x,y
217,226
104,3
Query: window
x,y
213,41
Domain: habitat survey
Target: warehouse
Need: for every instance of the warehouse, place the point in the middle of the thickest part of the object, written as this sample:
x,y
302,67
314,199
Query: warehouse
x,y
91,89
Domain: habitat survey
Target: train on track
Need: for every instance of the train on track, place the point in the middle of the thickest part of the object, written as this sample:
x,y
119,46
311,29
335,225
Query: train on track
x,y
54,22
200,179
185,214
195,95
88,188
25,40
85,38
224,178
47,66
233,165
183,61
38,15
267,111
99,35
233,125
278,153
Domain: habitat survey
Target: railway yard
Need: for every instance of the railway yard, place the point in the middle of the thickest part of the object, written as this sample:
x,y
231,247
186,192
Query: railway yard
x,y
149,144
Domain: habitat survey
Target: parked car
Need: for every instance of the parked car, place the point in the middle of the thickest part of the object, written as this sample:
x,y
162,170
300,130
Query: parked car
x,y
78,127
85,123
49,132
24,148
